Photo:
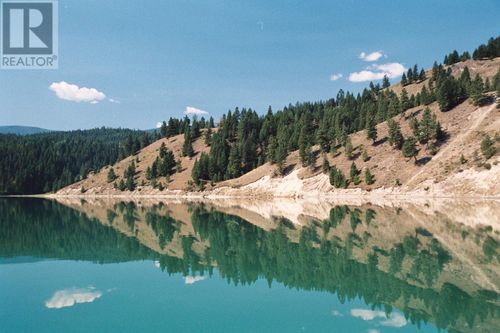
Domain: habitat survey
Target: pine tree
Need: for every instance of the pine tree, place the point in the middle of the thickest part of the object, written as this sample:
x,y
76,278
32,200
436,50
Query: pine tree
x,y
354,173
163,129
121,185
449,93
369,179
208,136
422,76
405,101
234,165
404,80
410,148
187,148
371,128
409,75
111,175
326,165
348,148
385,82
487,147
337,178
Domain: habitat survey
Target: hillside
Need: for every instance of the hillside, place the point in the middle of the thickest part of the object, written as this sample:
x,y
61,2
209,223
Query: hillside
x,y
22,130
445,173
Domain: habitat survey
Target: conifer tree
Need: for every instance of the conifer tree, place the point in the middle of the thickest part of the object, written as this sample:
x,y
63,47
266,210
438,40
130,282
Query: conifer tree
x,y
422,76
371,128
111,175
337,178
404,80
208,136
487,147
385,82
187,148
405,101
354,173
326,165
369,179
410,148
163,130
348,148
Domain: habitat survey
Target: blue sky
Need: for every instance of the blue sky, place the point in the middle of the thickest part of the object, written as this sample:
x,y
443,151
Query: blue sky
x,y
153,59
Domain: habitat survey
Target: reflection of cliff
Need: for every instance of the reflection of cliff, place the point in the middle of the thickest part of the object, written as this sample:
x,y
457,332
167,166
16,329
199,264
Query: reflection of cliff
x,y
409,257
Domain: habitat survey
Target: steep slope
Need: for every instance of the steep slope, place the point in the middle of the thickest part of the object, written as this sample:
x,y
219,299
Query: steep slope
x,y
442,174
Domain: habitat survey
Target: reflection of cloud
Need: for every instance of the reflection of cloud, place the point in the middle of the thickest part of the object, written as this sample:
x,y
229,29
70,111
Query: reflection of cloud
x,y
193,279
394,320
69,297
373,331
367,314
336,313
157,263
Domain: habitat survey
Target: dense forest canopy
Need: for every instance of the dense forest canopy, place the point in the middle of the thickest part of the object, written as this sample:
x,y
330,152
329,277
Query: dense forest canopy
x,y
46,162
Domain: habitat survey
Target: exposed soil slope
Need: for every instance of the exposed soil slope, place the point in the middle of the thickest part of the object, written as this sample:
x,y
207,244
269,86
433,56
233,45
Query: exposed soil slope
x,y
443,174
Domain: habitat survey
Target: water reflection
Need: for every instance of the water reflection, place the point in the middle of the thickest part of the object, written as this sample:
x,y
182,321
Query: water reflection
x,y
437,266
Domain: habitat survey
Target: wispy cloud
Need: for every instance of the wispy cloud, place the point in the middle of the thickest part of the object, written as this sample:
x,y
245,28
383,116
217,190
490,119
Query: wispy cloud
x,y
193,279
373,56
74,93
335,77
373,331
190,110
114,101
69,297
377,72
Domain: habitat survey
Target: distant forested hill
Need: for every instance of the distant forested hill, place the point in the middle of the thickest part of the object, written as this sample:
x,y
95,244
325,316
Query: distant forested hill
x,y
45,162
22,130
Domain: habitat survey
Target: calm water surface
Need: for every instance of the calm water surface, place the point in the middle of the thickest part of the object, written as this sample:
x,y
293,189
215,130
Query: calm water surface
x,y
174,267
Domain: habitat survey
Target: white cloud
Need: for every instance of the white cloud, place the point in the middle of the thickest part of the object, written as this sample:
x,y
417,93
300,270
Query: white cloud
x,y
394,320
337,313
69,297
365,314
193,279
377,72
335,77
374,56
74,93
194,111
115,101
158,125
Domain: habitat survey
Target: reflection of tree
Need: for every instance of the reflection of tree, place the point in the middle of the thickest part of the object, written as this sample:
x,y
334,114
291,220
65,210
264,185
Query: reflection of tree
x,y
243,253
39,228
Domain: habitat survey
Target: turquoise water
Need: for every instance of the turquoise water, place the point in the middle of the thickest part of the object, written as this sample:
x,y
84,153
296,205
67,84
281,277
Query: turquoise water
x,y
62,270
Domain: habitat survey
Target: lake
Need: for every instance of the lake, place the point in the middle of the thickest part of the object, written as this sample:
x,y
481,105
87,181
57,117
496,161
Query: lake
x,y
103,265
